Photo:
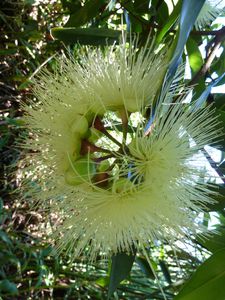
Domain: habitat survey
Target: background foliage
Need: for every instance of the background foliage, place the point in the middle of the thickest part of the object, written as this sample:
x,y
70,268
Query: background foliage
x,y
27,271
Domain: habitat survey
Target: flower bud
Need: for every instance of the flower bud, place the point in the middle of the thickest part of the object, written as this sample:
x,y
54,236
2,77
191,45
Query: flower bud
x,y
82,170
94,135
104,165
122,185
80,125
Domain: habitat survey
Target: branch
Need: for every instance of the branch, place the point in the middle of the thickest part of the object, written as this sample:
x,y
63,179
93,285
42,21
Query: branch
x,y
205,32
214,165
216,42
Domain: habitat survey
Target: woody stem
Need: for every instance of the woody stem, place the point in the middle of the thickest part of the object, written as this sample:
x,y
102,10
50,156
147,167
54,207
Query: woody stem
x,y
100,126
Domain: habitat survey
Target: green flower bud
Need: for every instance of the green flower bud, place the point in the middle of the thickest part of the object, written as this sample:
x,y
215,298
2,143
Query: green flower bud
x,y
122,185
80,125
80,171
104,165
94,135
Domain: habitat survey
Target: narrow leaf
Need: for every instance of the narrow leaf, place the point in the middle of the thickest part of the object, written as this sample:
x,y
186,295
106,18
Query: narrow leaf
x,y
208,281
169,23
91,9
207,91
194,55
8,287
86,36
120,269
219,197
189,13
165,271
144,266
196,62
214,241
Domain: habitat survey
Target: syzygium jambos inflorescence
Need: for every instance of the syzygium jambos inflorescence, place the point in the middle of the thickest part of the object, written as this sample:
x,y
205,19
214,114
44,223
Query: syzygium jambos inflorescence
x,y
113,181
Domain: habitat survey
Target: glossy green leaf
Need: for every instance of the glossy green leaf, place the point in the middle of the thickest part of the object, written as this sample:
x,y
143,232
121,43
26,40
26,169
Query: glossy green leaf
x,y
141,7
162,13
219,101
120,270
1,205
203,97
91,9
71,5
222,168
9,51
86,36
103,281
170,22
219,197
208,281
8,287
144,266
214,240
4,237
194,55
221,114
184,255
165,271
196,62
219,65
46,252
189,13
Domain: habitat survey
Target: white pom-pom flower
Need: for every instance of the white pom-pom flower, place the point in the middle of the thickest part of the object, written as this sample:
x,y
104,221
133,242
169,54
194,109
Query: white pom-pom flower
x,y
112,183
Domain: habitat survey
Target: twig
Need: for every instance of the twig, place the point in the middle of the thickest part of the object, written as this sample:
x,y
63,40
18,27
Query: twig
x,y
216,42
124,118
99,159
214,165
100,127
87,146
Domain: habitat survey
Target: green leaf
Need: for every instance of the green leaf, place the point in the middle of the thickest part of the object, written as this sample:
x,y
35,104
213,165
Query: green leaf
x,y
194,55
46,252
4,237
189,13
141,7
86,36
203,97
169,23
219,65
208,281
162,13
219,101
1,205
91,9
3,213
165,271
120,269
9,51
71,5
7,257
8,287
183,255
196,62
103,281
144,266
222,168
219,197
214,241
